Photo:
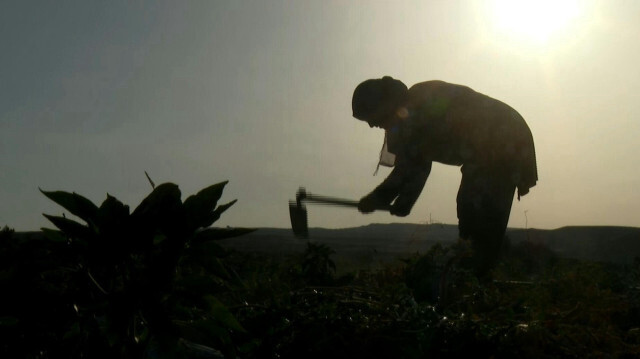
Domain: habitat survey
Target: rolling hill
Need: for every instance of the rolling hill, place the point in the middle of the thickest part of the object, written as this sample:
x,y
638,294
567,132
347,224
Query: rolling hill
x,y
600,243
388,241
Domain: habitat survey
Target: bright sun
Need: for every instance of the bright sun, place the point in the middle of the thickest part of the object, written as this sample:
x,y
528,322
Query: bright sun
x,y
535,20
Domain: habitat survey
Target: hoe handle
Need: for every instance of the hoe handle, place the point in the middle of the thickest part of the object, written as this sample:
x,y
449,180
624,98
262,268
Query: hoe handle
x,y
330,200
314,198
298,212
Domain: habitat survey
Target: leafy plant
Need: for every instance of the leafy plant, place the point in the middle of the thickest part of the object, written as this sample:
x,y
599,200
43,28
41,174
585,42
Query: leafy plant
x,y
317,266
141,283
76,302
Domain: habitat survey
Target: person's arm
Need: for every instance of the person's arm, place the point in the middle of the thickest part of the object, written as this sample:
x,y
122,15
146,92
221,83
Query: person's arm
x,y
405,182
410,191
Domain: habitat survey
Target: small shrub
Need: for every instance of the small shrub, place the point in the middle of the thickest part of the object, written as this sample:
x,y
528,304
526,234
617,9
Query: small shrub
x,y
125,284
317,266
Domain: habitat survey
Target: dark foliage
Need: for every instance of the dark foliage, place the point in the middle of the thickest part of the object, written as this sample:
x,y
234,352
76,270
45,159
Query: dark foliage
x,y
537,306
154,283
317,266
121,284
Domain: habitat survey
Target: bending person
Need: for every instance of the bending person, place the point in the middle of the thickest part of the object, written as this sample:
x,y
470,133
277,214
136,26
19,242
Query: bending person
x,y
454,125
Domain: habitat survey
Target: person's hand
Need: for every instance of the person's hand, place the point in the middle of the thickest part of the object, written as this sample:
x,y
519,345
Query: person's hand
x,y
368,204
400,211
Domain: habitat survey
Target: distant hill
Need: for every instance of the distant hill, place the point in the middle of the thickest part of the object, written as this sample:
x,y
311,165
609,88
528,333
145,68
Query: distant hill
x,y
388,241
395,238
600,243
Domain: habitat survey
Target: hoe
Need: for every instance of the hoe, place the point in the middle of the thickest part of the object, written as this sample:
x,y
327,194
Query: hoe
x,y
298,211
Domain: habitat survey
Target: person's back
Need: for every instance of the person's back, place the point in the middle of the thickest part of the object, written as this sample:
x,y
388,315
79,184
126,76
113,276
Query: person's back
x,y
456,125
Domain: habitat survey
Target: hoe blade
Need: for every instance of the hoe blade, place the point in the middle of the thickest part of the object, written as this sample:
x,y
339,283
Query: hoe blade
x,y
299,223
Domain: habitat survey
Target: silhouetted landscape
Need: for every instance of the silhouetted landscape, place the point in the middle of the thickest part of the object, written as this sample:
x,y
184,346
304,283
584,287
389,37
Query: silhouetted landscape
x,y
464,116
388,241
381,289
161,282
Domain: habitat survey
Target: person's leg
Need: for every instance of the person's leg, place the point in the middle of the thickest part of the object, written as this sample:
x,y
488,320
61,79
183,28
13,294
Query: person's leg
x,y
484,204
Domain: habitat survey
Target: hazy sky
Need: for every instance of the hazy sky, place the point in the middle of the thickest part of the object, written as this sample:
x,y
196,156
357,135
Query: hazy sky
x,y
92,94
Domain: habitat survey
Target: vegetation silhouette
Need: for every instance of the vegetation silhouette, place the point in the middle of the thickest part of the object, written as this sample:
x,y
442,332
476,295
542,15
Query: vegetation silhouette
x,y
539,306
157,283
121,284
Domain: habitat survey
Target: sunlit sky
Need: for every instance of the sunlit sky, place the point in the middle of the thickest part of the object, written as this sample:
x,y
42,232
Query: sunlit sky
x,y
92,94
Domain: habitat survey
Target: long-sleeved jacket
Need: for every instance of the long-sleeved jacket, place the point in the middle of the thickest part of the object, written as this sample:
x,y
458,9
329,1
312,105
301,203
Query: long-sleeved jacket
x,y
453,124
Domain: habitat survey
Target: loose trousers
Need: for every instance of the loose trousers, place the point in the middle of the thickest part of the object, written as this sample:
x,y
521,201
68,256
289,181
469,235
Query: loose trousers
x,y
484,203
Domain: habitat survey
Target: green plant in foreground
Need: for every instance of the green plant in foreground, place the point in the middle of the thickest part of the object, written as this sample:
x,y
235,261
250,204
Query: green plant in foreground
x,y
317,265
144,282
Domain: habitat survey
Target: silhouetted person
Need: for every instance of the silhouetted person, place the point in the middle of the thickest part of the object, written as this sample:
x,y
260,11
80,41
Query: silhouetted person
x,y
454,125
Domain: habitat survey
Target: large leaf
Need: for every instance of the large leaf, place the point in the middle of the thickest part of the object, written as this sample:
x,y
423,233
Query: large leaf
x,y
199,206
70,228
215,267
162,197
215,215
222,314
153,185
54,236
162,209
208,219
74,203
112,213
216,234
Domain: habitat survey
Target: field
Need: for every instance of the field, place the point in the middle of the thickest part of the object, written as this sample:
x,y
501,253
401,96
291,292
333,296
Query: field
x,y
161,282
304,305
536,306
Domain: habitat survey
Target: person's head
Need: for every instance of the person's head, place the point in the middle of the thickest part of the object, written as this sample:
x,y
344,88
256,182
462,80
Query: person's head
x,y
377,101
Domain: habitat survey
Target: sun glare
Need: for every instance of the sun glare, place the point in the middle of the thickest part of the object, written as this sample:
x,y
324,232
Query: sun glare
x,y
534,20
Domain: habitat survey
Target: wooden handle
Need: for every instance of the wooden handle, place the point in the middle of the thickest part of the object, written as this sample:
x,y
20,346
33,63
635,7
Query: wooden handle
x,y
314,198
